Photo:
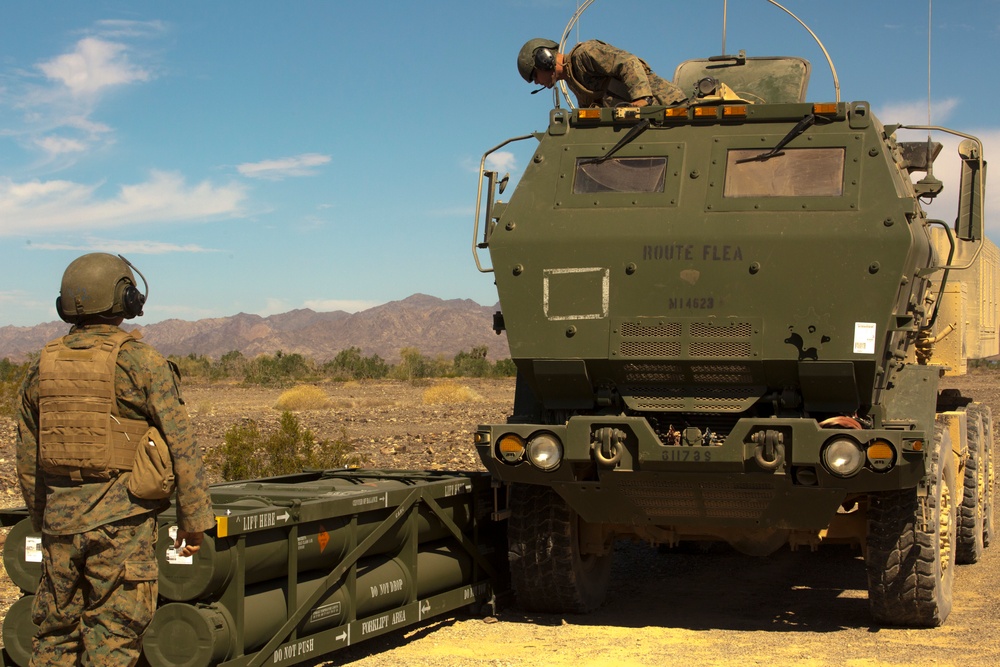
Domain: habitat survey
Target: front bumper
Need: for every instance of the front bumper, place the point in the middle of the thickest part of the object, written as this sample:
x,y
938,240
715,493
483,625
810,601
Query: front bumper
x,y
729,484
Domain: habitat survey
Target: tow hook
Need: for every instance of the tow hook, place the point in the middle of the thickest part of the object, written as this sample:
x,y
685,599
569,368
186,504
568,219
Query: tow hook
x,y
770,450
606,446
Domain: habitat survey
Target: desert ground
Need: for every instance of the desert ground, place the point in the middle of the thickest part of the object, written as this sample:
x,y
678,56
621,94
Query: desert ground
x,y
714,607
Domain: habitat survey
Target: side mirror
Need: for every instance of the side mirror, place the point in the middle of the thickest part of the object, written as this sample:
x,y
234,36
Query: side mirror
x,y
969,223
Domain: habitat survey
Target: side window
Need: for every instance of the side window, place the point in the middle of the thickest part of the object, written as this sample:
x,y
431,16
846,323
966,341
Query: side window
x,y
798,172
626,174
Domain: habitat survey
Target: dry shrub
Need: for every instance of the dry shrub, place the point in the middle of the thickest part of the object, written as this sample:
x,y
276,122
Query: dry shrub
x,y
249,453
341,403
303,397
450,392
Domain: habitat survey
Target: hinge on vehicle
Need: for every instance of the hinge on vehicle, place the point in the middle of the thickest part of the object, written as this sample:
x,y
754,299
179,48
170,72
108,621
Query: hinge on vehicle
x,y
501,508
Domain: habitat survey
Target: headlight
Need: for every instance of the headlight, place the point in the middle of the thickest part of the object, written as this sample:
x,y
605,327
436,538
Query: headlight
x,y
545,451
510,448
843,457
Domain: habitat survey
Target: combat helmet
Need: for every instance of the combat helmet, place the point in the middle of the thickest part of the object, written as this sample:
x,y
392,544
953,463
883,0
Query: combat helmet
x,y
99,284
528,61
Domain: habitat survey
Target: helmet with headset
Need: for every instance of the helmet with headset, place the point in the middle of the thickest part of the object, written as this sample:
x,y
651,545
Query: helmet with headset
x,y
99,284
536,53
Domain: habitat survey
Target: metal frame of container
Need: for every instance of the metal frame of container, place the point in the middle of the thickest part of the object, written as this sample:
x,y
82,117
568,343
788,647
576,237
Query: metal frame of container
x,y
289,502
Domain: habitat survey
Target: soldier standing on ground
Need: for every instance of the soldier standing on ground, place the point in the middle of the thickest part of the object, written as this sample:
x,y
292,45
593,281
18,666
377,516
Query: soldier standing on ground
x,y
84,407
599,74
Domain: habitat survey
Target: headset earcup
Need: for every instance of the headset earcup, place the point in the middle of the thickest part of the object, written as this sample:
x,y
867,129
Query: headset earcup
x,y
132,301
545,59
130,298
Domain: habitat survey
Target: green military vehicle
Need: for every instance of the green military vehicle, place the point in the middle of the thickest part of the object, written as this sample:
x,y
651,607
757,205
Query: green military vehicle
x,y
724,316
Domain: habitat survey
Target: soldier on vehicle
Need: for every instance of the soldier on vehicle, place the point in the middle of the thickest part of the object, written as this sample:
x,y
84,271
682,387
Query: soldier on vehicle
x,y
92,398
599,74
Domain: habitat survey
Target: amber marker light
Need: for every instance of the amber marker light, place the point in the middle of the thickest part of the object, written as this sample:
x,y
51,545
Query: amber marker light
x,y
825,108
676,113
588,114
510,447
881,455
736,111
706,112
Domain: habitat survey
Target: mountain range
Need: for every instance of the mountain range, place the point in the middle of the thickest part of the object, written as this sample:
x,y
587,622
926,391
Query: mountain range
x,y
432,325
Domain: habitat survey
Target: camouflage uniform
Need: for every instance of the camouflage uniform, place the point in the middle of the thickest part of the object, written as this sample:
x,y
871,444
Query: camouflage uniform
x,y
603,76
98,588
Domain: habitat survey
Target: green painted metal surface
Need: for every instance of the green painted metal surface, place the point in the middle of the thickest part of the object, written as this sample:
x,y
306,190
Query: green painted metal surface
x,y
709,281
305,564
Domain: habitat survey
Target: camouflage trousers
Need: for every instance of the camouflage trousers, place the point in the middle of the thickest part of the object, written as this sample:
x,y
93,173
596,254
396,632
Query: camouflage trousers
x,y
97,594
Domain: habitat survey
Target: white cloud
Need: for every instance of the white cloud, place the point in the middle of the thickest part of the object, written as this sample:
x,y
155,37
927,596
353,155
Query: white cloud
x,y
915,112
51,206
273,306
502,162
54,109
126,28
298,165
116,246
58,145
94,65
947,169
21,301
347,305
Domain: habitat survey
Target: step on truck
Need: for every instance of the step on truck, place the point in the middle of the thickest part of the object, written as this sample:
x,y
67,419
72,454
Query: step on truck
x,y
730,320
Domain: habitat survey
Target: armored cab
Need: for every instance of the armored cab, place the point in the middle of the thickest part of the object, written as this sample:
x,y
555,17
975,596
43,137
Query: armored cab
x,y
723,315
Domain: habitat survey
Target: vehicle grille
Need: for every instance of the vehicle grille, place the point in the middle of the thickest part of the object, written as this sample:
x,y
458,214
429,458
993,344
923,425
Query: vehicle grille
x,y
685,338
707,500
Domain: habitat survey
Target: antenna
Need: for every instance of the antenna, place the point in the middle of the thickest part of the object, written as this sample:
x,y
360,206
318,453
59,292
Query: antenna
x,y
929,182
573,22
929,24
829,61
725,8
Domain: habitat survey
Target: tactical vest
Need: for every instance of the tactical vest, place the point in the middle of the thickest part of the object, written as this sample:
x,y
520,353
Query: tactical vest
x,y
81,434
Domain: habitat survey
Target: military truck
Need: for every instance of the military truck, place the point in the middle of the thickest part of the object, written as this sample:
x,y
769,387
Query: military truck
x,y
728,318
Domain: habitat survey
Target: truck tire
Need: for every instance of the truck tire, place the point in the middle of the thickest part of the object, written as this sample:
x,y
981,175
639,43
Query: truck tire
x,y
971,513
910,561
549,572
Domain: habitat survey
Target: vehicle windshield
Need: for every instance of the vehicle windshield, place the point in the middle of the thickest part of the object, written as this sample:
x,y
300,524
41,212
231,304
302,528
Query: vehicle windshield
x,y
625,174
798,172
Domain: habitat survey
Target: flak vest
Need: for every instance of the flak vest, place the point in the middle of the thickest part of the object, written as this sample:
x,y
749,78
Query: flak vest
x,y
81,434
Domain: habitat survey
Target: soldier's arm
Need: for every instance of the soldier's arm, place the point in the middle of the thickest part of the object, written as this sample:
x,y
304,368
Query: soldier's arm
x,y
28,475
167,411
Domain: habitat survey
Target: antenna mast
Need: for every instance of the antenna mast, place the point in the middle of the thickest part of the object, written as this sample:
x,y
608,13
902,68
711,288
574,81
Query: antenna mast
x,y
725,8
929,11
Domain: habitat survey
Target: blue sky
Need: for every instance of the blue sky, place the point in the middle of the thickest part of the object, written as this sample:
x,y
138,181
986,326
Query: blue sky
x,y
265,156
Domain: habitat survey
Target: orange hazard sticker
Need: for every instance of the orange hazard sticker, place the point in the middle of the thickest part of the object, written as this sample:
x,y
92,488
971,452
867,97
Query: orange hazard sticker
x,y
323,538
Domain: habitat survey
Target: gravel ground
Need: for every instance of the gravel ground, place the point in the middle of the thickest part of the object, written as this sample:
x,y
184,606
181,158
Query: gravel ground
x,y
714,607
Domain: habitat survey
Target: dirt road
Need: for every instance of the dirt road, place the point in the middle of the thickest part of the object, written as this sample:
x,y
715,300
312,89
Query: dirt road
x,y
706,608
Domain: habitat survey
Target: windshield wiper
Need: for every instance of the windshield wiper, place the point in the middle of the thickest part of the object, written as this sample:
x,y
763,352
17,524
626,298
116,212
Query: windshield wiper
x,y
636,130
799,128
